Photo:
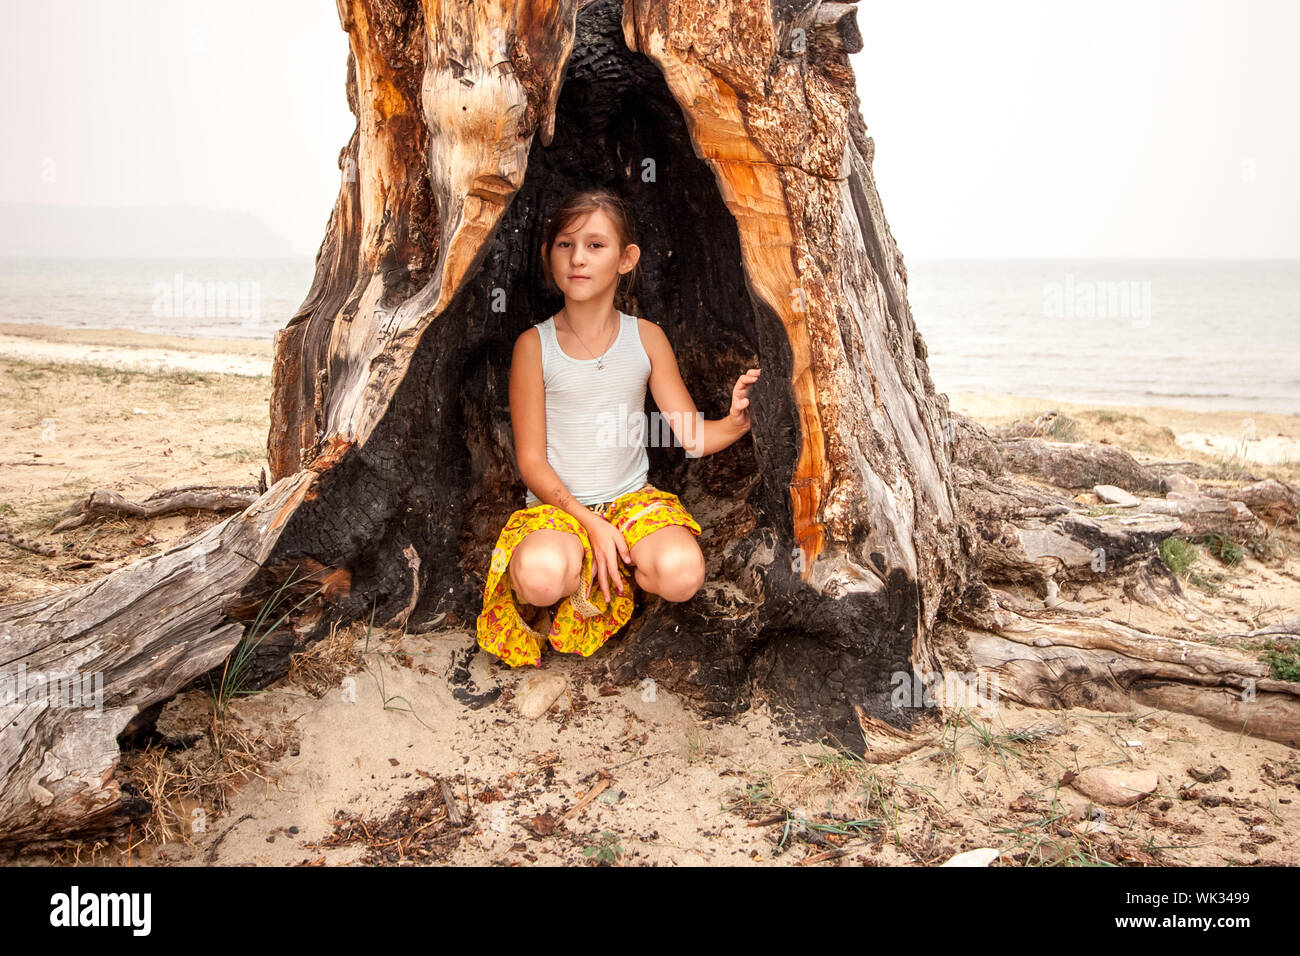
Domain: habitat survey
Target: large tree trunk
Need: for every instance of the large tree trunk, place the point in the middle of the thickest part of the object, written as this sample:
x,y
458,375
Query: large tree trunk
x,y
832,534
844,536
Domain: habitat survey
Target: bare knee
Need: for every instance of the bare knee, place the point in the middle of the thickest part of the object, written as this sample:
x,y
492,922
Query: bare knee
x,y
677,574
542,575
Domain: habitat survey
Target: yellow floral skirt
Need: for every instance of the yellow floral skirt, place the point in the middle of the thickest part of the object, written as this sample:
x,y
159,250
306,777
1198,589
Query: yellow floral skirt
x,y
583,622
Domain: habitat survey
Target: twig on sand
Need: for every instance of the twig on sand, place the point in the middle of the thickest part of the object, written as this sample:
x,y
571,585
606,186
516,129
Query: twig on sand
x,y
592,794
449,800
212,850
623,763
36,547
820,857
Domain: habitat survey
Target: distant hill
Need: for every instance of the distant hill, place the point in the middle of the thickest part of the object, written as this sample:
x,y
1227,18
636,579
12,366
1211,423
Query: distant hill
x,y
35,229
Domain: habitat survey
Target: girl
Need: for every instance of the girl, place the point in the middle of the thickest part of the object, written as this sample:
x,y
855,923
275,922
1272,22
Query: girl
x,y
589,510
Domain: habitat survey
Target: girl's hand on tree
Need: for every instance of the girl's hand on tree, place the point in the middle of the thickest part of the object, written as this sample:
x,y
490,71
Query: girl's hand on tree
x,y
740,398
607,546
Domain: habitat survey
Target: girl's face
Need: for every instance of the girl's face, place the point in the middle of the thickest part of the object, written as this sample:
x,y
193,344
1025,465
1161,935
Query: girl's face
x,y
585,259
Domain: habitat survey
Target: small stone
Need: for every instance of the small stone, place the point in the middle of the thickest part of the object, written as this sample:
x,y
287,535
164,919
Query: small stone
x,y
1113,495
1116,788
537,692
1088,827
1180,484
1208,775
981,857
1074,806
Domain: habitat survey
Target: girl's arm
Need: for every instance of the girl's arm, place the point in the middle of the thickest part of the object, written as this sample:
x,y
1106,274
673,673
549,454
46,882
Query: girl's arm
x,y
699,436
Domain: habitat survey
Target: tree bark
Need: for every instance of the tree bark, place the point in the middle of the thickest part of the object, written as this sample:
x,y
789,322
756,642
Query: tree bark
x,y
848,537
79,664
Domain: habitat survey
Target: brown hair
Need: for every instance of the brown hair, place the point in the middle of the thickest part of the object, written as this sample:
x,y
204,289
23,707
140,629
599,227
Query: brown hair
x,y
575,206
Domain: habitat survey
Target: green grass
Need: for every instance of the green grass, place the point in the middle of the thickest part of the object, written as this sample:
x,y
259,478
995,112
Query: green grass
x,y
28,372
20,370
754,797
1048,841
875,790
234,675
1222,547
1000,745
1178,554
1283,658
605,848
758,799
1065,429
377,673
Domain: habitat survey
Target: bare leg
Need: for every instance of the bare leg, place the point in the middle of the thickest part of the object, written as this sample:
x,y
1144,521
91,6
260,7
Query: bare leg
x,y
669,563
546,567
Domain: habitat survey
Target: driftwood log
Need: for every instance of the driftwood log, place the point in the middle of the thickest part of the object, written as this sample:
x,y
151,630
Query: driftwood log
x,y
858,533
188,497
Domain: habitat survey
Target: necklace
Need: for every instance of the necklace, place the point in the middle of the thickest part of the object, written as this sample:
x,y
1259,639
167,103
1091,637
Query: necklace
x,y
600,362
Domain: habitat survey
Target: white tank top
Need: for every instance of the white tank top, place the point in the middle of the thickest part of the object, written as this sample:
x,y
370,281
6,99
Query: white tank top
x,y
595,418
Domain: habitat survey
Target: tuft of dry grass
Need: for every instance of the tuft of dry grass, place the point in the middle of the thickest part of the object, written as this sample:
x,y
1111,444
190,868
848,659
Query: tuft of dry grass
x,y
189,789
323,666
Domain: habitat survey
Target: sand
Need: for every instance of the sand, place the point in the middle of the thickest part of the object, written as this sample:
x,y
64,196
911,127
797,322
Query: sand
x,y
385,720
139,351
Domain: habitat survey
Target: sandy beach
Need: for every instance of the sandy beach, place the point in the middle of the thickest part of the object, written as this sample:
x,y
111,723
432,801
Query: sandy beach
x,y
135,351
369,720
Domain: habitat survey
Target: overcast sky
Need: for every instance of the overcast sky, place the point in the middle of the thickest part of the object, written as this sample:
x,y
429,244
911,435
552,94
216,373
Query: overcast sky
x,y
1148,128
